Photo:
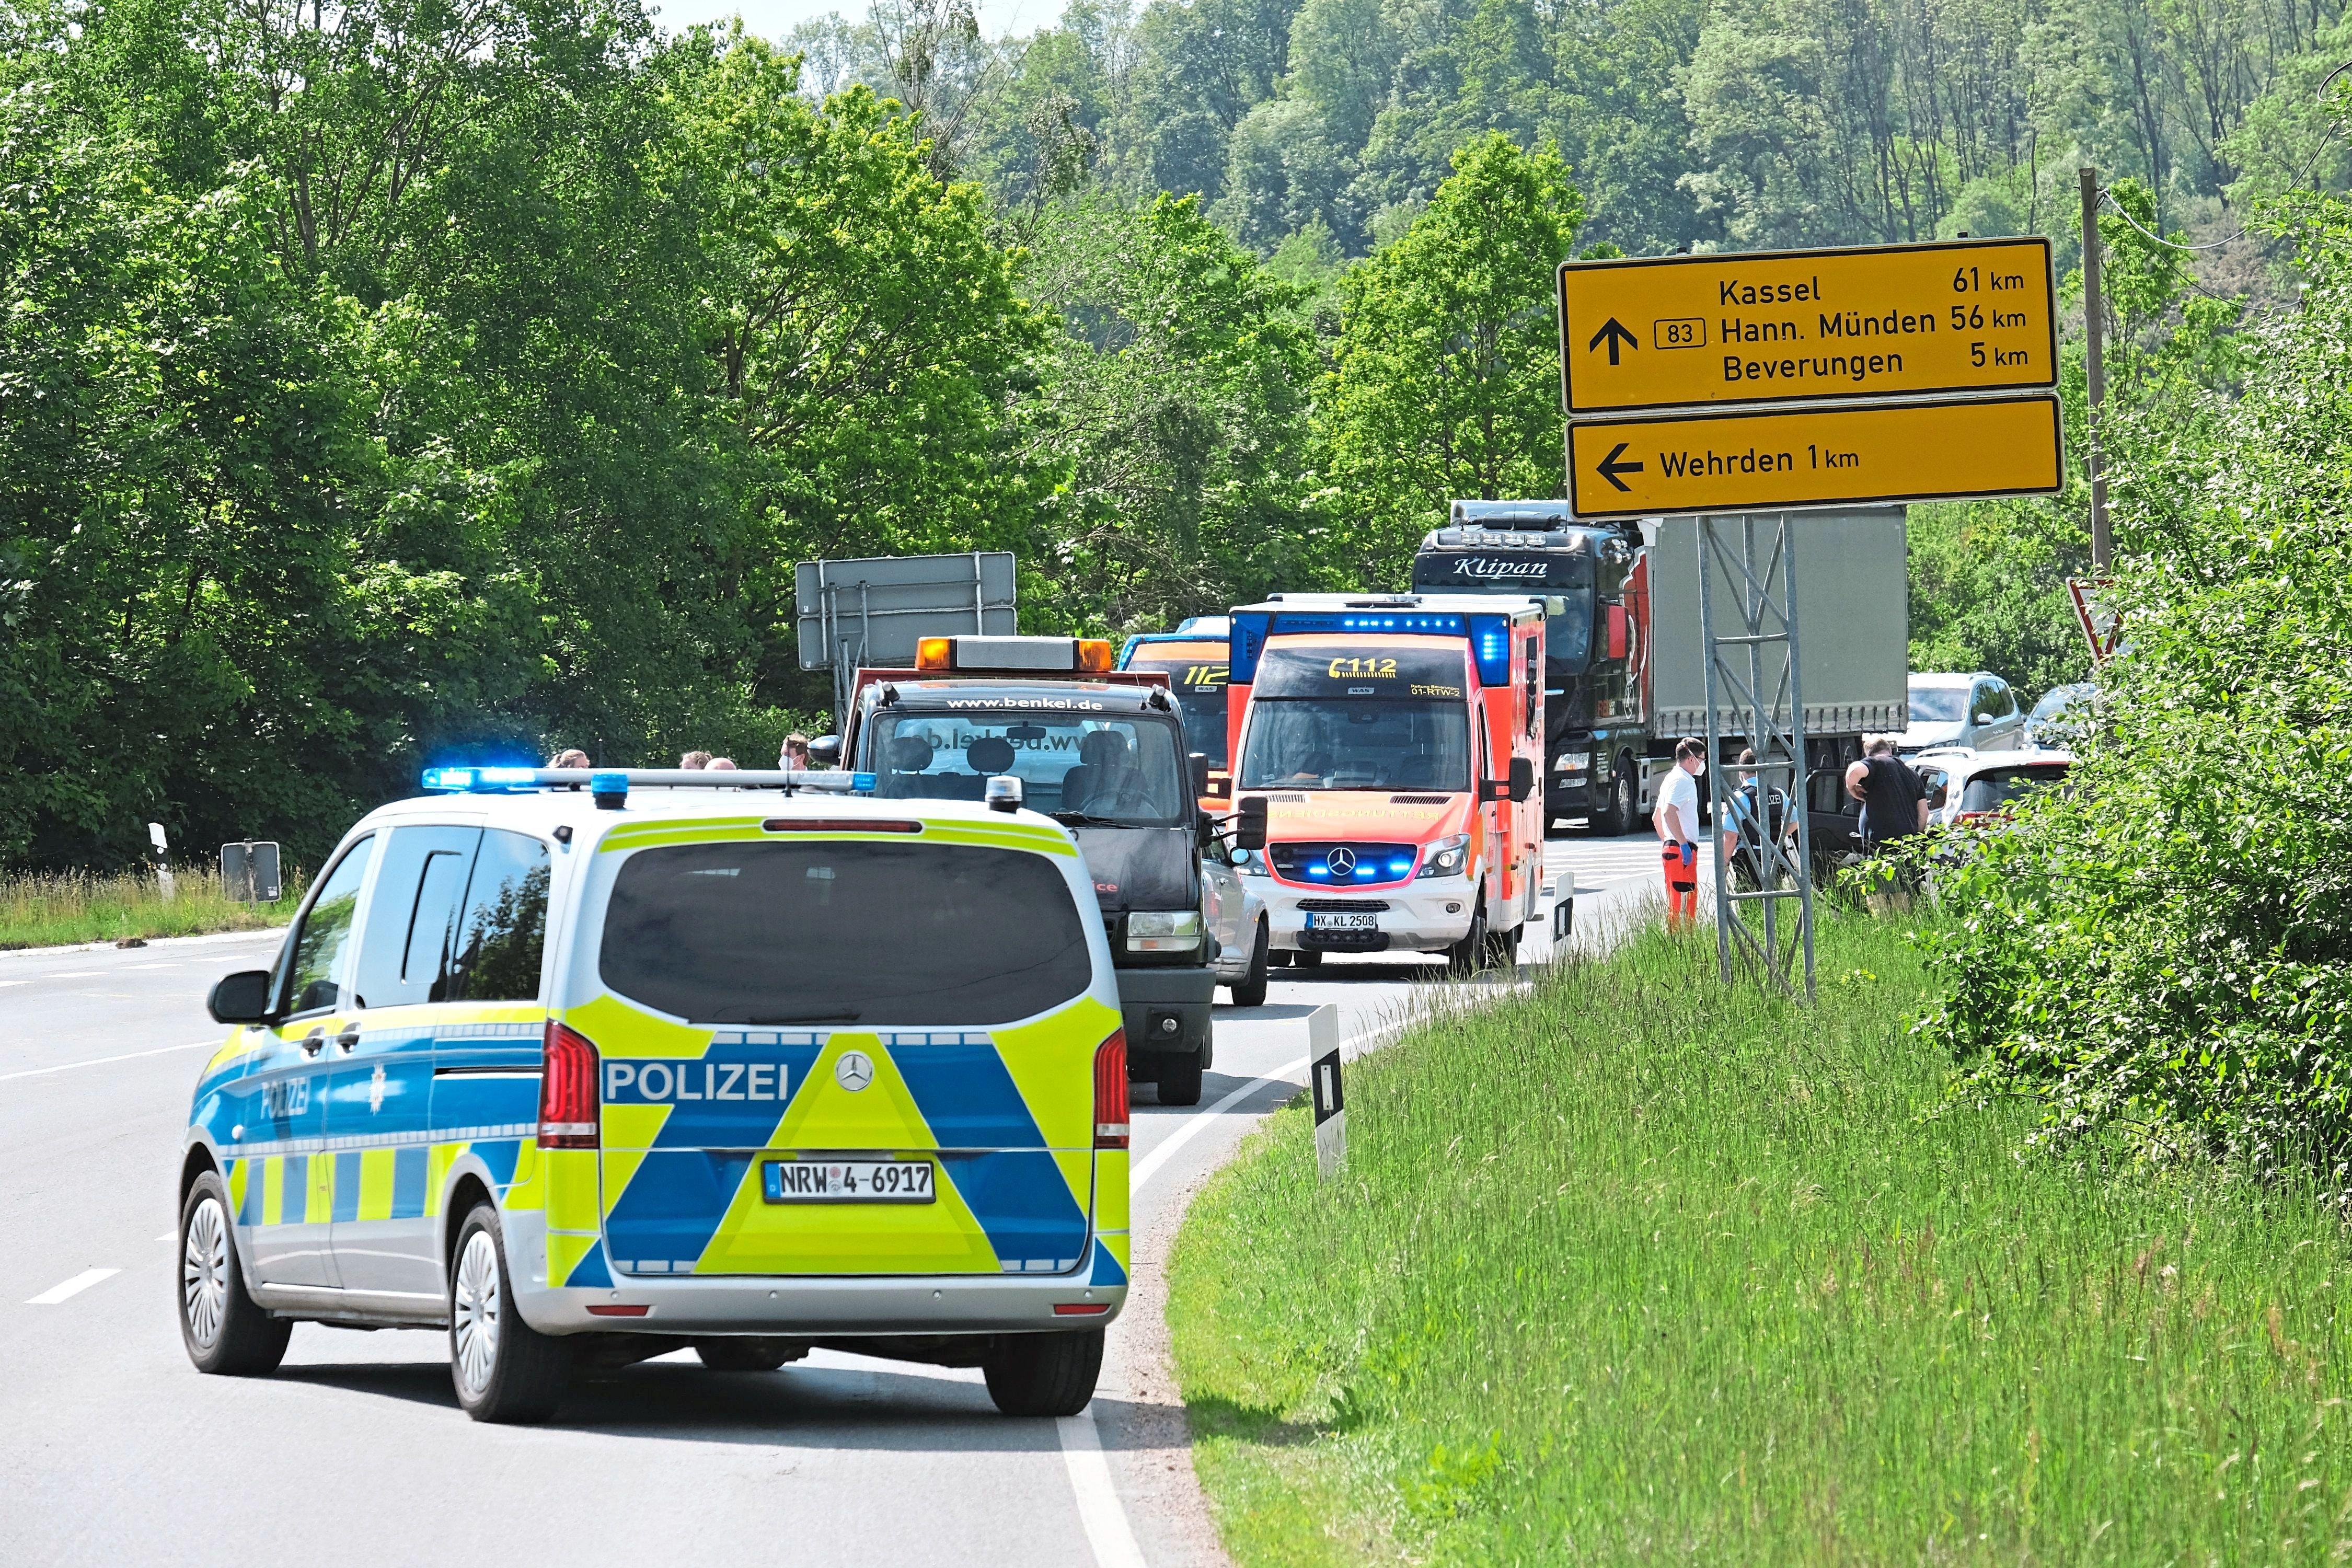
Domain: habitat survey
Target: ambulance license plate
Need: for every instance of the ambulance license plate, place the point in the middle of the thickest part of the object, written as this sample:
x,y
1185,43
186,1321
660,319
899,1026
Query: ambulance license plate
x,y
1364,921
848,1181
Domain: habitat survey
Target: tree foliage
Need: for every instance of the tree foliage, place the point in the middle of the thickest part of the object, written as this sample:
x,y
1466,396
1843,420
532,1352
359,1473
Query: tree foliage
x,y
1446,378
2160,951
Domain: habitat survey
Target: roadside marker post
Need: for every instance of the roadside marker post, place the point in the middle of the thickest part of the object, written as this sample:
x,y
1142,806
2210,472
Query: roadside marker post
x,y
1330,1105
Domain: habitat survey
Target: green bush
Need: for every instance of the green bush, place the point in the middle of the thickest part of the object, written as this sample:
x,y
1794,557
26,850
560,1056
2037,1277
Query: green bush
x,y
2162,951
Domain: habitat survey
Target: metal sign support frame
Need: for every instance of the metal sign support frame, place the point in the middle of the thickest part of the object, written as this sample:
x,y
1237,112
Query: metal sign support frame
x,y
1757,558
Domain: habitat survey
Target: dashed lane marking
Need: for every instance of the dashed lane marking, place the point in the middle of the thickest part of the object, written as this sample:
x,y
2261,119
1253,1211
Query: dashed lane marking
x,y
102,1061
71,1288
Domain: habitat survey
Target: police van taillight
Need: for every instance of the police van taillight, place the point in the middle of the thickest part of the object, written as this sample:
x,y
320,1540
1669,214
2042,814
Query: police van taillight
x,y
568,1099
1110,1091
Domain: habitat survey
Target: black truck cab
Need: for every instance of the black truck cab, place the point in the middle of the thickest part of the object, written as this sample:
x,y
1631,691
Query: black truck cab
x,y
1102,753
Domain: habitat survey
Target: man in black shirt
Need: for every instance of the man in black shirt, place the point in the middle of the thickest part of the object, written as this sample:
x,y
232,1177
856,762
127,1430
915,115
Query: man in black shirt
x,y
1893,801
1894,805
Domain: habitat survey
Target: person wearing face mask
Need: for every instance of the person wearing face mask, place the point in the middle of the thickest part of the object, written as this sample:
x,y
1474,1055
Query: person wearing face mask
x,y
1676,819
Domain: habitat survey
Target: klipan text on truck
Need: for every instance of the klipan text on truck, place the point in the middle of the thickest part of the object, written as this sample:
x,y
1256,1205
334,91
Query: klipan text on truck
x,y
1104,753
1390,747
1624,675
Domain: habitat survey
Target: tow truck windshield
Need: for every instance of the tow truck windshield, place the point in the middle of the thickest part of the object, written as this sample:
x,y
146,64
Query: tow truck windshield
x,y
1120,771
1377,717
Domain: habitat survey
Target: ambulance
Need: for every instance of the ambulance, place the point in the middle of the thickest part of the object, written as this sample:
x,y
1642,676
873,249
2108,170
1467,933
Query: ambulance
x,y
579,1069
1387,749
1194,658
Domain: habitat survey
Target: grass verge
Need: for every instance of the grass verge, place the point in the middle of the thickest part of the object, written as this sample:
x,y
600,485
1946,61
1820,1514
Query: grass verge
x,y
1642,1269
55,911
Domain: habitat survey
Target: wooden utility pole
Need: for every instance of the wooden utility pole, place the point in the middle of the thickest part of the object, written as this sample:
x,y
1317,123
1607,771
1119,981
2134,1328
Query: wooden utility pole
x,y
2094,321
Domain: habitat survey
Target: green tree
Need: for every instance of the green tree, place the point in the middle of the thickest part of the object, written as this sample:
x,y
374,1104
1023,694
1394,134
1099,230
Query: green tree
x,y
1174,403
1445,379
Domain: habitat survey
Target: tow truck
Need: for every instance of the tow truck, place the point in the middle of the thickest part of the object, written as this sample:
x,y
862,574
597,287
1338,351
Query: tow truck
x,y
1102,752
1387,756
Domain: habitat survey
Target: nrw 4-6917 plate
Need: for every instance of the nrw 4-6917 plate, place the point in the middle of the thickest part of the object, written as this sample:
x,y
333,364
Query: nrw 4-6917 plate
x,y
848,1181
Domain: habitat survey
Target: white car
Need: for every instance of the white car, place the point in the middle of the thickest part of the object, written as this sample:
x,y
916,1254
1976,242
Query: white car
x,y
1969,787
1977,712
1237,920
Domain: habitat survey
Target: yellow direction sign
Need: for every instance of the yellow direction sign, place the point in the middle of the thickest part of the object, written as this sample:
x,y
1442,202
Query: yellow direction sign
x,y
1880,322
1768,459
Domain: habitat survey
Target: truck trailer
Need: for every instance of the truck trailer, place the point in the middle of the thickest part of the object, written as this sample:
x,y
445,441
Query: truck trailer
x,y
1624,667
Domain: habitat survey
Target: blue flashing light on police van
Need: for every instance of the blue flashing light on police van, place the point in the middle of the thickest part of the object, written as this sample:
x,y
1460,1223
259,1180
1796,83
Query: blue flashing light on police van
x,y
462,779
859,782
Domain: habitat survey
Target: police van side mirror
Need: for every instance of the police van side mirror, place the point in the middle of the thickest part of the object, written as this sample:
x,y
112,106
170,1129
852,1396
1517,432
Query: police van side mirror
x,y
1249,823
1200,761
825,752
1523,778
240,998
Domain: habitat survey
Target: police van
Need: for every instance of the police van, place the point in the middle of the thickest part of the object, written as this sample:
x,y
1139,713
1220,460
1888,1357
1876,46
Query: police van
x,y
589,1068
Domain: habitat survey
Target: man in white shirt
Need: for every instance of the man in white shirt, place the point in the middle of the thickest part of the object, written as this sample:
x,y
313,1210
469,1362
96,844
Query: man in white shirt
x,y
1676,819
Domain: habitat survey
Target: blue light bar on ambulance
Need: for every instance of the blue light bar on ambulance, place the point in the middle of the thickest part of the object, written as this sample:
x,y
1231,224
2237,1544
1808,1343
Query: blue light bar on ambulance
x,y
1490,634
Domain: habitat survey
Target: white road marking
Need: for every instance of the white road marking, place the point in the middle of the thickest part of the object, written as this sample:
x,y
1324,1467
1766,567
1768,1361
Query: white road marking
x,y
70,974
169,1235
14,982
1200,1121
101,1061
1107,1531
72,1288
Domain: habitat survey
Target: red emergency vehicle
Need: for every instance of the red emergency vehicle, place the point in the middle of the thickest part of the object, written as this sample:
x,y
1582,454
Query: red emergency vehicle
x,y
1392,745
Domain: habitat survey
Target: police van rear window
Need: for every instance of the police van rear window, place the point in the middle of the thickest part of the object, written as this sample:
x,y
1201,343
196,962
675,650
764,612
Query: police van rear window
x,y
842,934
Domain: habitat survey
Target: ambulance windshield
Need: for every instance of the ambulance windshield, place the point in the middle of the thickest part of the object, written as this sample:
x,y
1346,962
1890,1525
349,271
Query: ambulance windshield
x,y
1375,716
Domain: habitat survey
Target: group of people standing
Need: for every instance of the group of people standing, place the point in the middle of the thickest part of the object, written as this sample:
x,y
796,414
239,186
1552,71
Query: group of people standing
x,y
792,757
1893,810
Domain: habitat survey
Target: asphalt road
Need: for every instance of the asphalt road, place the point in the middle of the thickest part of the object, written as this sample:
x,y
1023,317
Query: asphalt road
x,y
113,1449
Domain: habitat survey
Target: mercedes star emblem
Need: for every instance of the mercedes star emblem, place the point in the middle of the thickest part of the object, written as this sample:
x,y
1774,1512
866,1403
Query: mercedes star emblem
x,y
854,1071
1342,862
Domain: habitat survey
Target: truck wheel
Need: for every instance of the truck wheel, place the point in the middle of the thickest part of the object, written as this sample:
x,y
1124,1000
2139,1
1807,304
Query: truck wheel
x,y
1469,955
504,1369
1043,1375
1250,989
225,1330
1624,799
1179,1081
748,1353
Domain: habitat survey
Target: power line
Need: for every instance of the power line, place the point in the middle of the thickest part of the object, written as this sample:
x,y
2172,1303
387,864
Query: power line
x,y
2107,194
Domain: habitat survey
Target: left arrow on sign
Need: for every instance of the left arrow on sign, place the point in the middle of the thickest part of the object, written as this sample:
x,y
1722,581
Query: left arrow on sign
x,y
1608,468
1613,332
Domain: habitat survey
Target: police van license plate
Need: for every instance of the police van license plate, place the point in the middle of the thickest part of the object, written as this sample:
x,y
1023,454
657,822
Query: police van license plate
x,y
848,1181
1366,921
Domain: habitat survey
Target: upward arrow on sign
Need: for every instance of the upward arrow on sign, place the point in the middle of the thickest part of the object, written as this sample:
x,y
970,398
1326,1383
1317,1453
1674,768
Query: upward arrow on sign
x,y
1613,331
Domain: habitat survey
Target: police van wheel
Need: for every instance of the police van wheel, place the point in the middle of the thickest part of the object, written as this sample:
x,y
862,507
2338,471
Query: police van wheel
x,y
1044,1374
1250,989
504,1369
756,1353
1307,958
225,1330
1179,1081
